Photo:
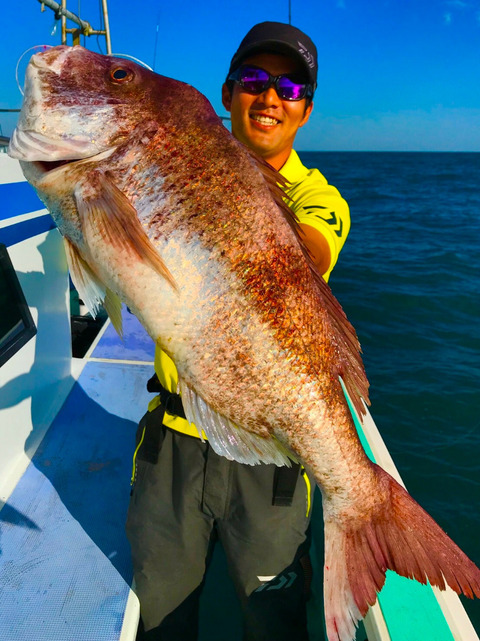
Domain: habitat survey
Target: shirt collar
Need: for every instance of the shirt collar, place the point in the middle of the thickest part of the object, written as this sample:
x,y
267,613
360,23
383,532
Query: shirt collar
x,y
293,170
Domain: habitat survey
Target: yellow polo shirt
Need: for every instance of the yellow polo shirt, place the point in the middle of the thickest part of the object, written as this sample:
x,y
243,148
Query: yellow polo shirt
x,y
315,203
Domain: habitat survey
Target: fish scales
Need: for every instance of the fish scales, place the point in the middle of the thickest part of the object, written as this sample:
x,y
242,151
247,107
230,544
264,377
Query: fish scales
x,y
265,270
162,208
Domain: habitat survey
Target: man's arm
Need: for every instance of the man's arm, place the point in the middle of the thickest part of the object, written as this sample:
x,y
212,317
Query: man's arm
x,y
324,219
318,247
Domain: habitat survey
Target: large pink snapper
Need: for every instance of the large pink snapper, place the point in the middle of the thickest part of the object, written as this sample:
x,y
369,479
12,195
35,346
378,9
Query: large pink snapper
x,y
162,208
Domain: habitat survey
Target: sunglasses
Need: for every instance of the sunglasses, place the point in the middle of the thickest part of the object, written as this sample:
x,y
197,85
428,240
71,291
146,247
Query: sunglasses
x,y
256,80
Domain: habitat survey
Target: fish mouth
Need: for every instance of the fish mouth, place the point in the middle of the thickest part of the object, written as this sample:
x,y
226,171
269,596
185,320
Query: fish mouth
x,y
47,167
47,155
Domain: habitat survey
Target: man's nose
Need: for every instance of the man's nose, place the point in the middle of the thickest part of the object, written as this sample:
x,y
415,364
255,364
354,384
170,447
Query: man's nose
x,y
270,97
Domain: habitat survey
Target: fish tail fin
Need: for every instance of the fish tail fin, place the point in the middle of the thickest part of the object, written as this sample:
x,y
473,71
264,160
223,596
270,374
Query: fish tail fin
x,y
399,536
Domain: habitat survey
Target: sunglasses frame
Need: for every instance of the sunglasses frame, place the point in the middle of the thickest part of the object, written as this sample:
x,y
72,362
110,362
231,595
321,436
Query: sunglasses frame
x,y
272,81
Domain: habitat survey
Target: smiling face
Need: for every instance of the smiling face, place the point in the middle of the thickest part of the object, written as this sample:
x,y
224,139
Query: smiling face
x,y
265,123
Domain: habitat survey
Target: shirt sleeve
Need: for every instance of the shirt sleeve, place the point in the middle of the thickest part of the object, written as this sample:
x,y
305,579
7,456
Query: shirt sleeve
x,y
320,205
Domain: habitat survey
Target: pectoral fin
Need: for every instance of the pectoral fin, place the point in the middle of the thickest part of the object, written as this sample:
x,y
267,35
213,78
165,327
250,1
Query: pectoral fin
x,y
227,439
110,212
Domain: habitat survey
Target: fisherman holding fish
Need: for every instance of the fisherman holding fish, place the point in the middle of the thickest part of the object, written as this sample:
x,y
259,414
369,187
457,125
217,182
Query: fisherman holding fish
x,y
260,513
163,209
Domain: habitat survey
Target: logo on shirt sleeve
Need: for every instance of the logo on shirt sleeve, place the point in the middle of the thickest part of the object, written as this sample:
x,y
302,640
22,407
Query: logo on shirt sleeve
x,y
330,217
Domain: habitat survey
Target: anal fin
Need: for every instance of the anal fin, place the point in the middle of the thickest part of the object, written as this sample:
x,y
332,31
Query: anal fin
x,y
113,307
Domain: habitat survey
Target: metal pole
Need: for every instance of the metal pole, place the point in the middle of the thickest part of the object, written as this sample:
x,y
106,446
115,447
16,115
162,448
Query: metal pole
x,y
107,28
64,22
85,27
63,11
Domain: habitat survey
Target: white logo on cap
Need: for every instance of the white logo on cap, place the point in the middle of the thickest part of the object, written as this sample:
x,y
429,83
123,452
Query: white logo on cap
x,y
305,53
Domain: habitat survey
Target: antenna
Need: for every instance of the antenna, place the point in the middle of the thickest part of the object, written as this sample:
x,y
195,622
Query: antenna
x,y
289,11
157,29
84,27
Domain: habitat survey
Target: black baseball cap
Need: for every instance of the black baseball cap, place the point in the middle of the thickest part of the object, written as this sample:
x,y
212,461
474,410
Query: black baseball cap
x,y
277,37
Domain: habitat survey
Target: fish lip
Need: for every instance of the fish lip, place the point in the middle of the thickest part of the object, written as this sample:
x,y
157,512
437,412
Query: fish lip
x,y
47,155
29,145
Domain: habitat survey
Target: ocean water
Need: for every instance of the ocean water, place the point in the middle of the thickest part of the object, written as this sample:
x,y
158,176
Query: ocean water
x,y
409,281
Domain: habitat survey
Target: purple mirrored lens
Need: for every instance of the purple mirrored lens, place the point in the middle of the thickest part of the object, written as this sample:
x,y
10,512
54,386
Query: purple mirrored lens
x,y
290,90
254,79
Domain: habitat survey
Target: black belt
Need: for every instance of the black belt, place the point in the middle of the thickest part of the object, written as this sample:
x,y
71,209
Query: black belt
x,y
171,402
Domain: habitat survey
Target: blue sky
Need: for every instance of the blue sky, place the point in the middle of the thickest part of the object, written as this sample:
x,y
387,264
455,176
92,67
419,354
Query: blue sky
x,y
394,74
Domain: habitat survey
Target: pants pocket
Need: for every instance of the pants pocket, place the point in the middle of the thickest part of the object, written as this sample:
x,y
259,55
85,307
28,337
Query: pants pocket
x,y
148,442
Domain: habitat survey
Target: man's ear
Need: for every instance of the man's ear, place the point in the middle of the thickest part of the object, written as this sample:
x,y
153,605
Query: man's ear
x,y
226,97
306,115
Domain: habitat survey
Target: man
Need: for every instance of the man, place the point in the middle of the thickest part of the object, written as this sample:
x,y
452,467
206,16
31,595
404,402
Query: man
x,y
185,496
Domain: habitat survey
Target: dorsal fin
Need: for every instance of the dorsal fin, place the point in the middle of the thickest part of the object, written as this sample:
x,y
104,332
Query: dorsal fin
x,y
350,365
277,185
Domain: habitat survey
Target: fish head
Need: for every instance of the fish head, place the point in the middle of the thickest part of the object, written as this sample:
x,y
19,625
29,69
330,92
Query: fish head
x,y
70,94
79,104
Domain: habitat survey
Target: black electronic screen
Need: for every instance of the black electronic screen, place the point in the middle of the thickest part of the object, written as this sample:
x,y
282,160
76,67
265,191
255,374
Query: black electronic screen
x,y
16,322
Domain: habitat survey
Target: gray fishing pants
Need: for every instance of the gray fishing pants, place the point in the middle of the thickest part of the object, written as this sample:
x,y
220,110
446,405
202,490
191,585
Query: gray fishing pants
x,y
186,500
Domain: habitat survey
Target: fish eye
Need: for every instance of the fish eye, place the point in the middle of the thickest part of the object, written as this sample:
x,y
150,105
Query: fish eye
x,y
120,75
